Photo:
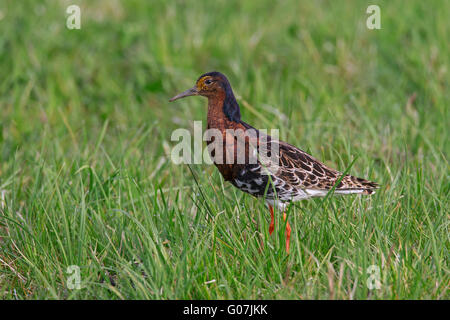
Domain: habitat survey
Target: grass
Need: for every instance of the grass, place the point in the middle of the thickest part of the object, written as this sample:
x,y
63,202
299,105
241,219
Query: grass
x,y
85,171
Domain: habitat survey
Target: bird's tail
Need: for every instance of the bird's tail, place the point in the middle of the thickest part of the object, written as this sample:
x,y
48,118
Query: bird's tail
x,y
352,184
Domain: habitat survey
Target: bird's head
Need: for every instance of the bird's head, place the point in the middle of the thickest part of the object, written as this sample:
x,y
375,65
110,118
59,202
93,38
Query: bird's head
x,y
216,87
208,85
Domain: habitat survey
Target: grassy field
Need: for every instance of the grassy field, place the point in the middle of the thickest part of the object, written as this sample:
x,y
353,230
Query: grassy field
x,y
85,171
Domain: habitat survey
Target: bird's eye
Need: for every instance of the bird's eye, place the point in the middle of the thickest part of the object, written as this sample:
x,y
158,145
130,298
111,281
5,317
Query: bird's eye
x,y
207,81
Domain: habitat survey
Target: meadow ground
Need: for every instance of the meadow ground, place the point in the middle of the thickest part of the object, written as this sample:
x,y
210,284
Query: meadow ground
x,y
85,171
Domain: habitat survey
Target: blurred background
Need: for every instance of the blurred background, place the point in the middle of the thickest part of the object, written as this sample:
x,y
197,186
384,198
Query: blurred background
x,y
85,129
315,63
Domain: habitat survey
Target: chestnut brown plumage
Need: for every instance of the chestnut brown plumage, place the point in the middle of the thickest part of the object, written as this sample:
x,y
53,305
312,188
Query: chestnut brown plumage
x,y
297,175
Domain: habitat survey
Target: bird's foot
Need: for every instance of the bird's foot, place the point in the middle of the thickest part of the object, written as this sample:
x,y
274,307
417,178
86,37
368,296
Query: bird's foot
x,y
288,233
272,222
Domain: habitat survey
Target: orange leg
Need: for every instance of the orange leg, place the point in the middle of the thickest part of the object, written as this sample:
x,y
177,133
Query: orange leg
x,y
272,222
288,233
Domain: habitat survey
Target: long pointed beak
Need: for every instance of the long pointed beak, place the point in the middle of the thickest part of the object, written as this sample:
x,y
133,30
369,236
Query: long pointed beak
x,y
187,93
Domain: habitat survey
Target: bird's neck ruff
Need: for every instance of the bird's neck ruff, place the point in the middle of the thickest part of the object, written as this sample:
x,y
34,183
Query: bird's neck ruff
x,y
230,106
223,109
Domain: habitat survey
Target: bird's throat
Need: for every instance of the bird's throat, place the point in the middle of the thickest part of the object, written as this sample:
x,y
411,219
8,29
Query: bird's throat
x,y
216,115
223,111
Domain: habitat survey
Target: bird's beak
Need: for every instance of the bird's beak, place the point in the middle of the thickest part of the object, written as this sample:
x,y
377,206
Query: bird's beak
x,y
190,92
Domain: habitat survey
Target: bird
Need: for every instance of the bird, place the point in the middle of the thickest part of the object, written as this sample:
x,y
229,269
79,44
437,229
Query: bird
x,y
293,174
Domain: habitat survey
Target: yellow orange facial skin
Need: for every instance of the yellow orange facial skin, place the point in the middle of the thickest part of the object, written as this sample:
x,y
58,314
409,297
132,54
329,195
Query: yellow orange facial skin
x,y
201,86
